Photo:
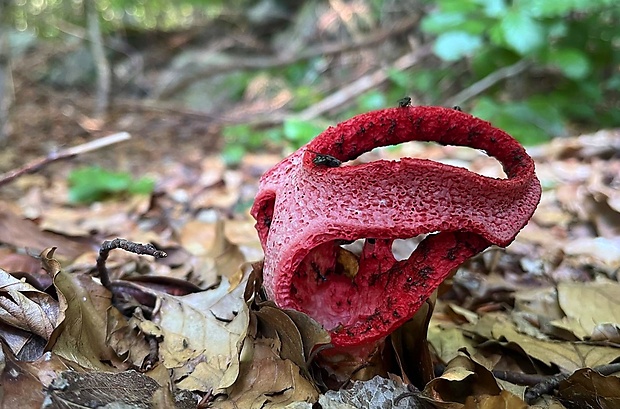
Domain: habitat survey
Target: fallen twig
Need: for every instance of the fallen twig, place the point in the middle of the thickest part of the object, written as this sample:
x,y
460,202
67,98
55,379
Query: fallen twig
x,y
130,246
487,82
347,94
63,154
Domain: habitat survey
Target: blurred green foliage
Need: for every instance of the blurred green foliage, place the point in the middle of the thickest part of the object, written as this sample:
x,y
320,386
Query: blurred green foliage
x,y
46,16
92,184
573,47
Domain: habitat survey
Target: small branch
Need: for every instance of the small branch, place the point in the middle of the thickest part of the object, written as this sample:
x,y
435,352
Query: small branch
x,y
63,154
130,246
347,94
487,82
153,356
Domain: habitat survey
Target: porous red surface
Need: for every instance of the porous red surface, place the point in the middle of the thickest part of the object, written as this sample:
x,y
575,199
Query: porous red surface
x,y
304,211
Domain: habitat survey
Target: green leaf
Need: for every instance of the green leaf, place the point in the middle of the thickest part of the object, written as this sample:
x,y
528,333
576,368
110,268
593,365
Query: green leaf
x,y
532,122
232,154
560,8
438,22
572,62
521,32
455,45
92,184
457,6
493,8
371,101
300,132
400,78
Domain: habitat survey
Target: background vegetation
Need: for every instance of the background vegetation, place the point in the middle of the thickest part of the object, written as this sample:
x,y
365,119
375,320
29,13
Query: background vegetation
x,y
274,73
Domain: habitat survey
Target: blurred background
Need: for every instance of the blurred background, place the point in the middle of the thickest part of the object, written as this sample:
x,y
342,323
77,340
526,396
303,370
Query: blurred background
x,y
191,78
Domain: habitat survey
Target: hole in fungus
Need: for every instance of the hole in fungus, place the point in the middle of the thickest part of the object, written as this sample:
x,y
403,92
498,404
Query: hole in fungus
x,y
402,249
459,156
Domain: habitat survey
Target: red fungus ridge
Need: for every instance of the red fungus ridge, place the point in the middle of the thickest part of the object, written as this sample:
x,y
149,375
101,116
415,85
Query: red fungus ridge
x,y
306,208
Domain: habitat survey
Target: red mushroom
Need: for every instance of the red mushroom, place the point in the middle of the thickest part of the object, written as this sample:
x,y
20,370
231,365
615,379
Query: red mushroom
x,y
308,205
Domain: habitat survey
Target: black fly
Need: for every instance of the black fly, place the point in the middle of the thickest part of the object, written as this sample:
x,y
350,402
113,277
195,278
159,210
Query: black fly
x,y
404,102
321,159
457,108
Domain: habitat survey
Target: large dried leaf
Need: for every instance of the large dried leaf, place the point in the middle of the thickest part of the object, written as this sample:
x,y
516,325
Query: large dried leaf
x,y
275,323
19,388
568,356
24,382
20,232
448,339
312,333
589,389
202,335
127,389
462,378
25,307
215,254
126,338
505,400
81,335
600,252
268,381
589,307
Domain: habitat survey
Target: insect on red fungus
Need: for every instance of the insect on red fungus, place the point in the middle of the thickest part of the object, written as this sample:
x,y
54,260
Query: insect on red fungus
x,y
325,160
312,210
404,102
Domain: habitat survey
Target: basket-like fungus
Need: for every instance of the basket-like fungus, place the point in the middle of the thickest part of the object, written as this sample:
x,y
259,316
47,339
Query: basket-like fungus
x,y
308,205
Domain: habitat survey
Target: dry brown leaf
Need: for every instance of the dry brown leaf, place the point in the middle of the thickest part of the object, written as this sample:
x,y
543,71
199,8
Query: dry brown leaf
x,y
20,388
275,323
504,400
599,252
25,307
215,254
99,389
24,382
24,233
534,311
81,334
267,381
589,389
13,262
461,379
126,337
312,333
202,332
589,307
25,345
448,339
109,218
568,356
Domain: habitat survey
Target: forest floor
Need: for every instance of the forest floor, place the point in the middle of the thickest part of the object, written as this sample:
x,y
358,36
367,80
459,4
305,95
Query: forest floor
x,y
549,303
